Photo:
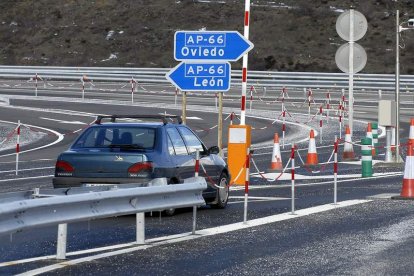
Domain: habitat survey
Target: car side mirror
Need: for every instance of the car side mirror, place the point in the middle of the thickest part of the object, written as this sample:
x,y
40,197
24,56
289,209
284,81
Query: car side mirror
x,y
214,150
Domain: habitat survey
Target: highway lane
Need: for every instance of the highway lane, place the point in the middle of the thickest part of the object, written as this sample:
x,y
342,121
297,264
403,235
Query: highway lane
x,y
123,231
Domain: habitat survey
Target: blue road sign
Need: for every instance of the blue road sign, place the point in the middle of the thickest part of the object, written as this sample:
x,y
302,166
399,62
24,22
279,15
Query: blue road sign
x,y
210,45
192,76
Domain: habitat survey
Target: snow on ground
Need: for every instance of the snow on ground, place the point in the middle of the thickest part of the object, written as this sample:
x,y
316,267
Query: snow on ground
x,y
8,136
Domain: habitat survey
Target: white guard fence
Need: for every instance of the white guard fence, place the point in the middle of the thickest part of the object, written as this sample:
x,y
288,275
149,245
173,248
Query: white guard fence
x,y
384,82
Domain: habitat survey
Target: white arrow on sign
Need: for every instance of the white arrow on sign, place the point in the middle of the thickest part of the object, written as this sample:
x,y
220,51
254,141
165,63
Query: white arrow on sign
x,y
64,122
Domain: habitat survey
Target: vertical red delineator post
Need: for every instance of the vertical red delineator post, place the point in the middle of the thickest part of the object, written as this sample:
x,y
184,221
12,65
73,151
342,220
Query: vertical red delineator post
x,y
197,164
231,118
245,62
246,184
18,147
335,168
251,97
283,128
292,156
320,123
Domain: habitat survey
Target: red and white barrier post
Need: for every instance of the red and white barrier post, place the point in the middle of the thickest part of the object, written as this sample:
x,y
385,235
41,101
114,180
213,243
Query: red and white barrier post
x,y
231,118
251,97
283,128
133,82
83,79
36,78
320,123
292,156
246,185
335,169
309,102
328,105
18,147
245,62
340,121
197,163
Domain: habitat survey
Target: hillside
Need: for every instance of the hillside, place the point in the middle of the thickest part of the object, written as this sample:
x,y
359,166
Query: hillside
x,y
296,35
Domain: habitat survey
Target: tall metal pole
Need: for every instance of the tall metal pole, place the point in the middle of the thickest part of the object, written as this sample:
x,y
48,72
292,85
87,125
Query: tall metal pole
x,y
351,71
397,86
220,124
184,108
245,61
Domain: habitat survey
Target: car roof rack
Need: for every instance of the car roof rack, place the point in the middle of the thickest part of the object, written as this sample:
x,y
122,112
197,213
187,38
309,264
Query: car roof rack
x,y
164,118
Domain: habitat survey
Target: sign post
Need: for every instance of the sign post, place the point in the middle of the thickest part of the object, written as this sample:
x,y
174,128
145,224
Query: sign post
x,y
351,58
205,66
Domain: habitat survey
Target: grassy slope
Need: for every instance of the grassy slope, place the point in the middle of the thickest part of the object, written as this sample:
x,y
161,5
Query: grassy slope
x,y
73,32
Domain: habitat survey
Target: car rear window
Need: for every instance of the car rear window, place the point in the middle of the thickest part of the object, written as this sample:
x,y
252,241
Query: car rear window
x,y
105,137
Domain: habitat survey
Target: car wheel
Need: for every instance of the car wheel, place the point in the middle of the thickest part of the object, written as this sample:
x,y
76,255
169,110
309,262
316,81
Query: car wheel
x,y
170,212
222,193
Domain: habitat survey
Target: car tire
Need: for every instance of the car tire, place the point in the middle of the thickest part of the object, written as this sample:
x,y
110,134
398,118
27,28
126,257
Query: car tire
x,y
222,192
170,212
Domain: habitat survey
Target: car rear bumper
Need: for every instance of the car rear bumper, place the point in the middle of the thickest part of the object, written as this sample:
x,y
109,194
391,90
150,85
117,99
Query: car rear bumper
x,y
67,182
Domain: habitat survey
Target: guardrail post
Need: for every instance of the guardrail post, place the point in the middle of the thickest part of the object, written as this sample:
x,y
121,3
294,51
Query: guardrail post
x,y
61,241
140,227
194,219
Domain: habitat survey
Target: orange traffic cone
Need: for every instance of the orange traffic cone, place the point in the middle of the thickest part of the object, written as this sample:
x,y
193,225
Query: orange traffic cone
x,y
411,136
407,190
348,147
369,135
276,164
312,158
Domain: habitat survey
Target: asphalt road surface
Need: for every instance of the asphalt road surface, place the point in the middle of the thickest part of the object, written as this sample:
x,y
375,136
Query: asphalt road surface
x,y
366,233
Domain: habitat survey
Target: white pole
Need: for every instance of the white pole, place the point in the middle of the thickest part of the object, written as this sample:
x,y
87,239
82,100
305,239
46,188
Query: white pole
x,y
351,72
397,88
140,228
61,241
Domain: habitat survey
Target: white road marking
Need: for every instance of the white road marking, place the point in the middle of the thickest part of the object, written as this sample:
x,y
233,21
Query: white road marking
x,y
32,169
26,178
187,236
63,122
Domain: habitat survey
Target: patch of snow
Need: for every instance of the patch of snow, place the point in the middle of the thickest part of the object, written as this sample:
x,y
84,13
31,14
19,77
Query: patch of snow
x,y
111,56
13,23
336,9
110,35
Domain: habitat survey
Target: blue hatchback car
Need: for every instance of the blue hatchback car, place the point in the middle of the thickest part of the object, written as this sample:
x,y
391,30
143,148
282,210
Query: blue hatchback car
x,y
137,152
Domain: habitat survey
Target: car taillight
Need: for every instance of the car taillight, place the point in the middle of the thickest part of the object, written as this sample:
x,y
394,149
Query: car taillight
x,y
142,169
64,168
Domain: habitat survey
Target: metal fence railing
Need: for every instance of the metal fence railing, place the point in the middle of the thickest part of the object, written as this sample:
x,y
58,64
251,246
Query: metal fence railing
x,y
262,78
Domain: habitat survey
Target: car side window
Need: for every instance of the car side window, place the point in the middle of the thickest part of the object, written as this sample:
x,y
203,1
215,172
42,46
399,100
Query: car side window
x,y
170,146
177,141
191,140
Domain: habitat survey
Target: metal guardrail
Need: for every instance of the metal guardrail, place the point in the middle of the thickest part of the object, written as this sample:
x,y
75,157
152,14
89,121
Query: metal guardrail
x,y
262,78
23,210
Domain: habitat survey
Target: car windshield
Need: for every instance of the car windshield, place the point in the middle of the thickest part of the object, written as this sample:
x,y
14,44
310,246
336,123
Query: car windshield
x,y
114,137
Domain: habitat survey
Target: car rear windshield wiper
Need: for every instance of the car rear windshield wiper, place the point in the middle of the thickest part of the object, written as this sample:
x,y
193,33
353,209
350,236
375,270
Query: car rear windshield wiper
x,y
126,146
